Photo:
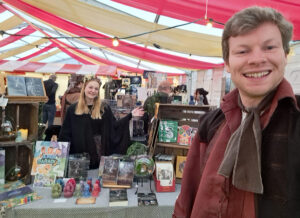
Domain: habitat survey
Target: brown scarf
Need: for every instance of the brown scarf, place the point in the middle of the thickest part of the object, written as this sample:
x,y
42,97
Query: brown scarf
x,y
243,151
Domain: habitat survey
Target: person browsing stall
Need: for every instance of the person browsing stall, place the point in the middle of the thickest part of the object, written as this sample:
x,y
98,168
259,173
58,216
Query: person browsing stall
x,y
91,127
161,96
244,160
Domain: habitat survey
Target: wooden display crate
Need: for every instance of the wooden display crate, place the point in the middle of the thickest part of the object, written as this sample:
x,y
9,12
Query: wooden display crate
x,y
184,115
18,154
23,116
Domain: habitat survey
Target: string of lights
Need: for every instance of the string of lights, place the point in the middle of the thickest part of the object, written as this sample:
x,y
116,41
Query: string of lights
x,y
70,47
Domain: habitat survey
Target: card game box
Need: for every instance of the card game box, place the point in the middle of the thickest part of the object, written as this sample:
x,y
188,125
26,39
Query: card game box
x,y
78,166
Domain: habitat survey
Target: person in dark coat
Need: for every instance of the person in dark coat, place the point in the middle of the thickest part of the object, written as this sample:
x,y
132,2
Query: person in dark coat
x,y
49,109
91,127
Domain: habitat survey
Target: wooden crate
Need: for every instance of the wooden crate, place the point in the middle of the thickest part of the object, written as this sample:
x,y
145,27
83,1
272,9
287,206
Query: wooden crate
x,y
185,115
24,116
18,154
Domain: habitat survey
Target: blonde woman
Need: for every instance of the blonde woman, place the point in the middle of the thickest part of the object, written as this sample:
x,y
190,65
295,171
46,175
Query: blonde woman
x,y
91,127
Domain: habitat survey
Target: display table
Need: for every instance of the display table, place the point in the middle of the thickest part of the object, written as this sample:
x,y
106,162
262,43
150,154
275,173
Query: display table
x,y
46,207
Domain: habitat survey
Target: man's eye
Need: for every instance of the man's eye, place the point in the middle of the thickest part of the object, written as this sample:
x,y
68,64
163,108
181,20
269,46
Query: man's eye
x,y
270,47
241,52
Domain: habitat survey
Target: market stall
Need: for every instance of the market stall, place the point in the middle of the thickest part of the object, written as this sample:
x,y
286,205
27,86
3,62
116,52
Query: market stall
x,y
47,207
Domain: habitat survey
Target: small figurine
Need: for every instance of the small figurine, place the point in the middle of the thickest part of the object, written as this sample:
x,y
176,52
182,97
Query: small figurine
x,y
81,186
69,188
61,182
56,190
77,192
86,191
98,181
19,137
89,182
96,190
72,180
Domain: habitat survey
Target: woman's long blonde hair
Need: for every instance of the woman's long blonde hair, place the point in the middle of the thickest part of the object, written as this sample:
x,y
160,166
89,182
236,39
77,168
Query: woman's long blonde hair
x,y
82,107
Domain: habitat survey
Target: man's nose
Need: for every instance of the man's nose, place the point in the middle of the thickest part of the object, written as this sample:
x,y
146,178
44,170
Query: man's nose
x,y
257,56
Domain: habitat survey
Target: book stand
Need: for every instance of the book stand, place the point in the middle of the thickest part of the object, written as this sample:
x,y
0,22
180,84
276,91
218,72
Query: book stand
x,y
141,180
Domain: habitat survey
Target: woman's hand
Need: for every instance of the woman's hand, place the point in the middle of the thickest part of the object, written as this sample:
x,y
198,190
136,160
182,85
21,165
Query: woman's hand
x,y
137,112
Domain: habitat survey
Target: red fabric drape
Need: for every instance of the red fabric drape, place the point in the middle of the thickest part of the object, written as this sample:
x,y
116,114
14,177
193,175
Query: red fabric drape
x,y
30,67
122,66
26,66
218,10
24,32
2,9
76,57
127,68
101,39
58,43
41,51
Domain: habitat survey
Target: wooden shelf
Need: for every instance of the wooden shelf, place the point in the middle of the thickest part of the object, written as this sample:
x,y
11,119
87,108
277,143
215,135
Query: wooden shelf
x,y
184,115
18,154
26,99
3,144
172,145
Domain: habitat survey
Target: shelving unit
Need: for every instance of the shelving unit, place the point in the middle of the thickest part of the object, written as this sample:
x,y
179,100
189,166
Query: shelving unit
x,y
185,115
23,111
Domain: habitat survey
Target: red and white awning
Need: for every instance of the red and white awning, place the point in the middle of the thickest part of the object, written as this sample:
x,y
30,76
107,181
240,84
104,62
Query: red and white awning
x,y
38,67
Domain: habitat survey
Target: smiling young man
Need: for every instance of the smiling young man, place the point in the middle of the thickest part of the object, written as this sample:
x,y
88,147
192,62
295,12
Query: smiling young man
x,y
244,162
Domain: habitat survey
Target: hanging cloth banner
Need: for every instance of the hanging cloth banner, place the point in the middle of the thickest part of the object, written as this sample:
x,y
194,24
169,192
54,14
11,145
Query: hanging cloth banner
x,y
217,10
101,39
19,35
26,66
115,23
37,53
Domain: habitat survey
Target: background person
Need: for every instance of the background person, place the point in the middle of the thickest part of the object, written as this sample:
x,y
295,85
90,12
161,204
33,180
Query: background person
x,y
72,94
200,97
49,109
91,127
244,160
161,96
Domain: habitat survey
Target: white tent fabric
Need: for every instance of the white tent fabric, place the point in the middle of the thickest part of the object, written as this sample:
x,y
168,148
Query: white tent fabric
x,y
26,66
121,25
27,45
